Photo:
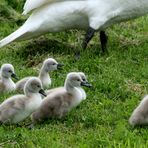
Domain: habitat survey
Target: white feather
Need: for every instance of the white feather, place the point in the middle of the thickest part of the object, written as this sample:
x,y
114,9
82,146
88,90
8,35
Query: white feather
x,y
33,4
98,14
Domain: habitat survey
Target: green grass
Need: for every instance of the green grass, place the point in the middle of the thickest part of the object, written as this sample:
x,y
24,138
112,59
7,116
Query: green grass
x,y
119,82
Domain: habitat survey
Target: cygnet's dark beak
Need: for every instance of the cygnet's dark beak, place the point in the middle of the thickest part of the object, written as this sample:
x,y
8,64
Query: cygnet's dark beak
x,y
41,91
85,83
59,66
14,76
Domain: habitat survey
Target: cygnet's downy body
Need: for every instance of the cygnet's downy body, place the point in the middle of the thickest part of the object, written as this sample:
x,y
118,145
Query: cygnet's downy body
x,y
88,15
19,107
6,83
140,114
49,64
58,103
83,77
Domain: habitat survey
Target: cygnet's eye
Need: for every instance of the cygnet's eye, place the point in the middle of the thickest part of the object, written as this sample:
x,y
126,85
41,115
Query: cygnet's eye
x,y
78,80
84,79
54,64
9,71
38,86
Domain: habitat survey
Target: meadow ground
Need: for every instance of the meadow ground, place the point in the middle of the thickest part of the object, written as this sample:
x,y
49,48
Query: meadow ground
x,y
119,82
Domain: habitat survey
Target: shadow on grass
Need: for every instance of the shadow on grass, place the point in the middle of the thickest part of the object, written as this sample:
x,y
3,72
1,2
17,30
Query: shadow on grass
x,y
137,127
44,46
35,50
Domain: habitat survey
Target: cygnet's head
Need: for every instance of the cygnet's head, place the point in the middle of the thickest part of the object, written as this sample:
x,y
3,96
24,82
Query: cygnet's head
x,y
51,64
7,71
74,79
34,85
83,76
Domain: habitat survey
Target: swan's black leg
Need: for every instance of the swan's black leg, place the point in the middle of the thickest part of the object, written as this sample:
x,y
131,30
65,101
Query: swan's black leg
x,y
103,39
89,34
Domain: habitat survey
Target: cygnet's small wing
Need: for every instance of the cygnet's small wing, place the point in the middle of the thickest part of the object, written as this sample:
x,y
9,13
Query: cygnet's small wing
x,y
11,107
46,109
54,105
20,84
54,90
2,86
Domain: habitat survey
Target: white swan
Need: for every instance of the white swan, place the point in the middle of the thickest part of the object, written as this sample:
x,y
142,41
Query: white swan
x,y
6,83
93,15
58,103
18,107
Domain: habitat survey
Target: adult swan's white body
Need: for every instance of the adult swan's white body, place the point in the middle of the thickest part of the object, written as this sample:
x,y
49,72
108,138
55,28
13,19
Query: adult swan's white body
x,y
94,15
33,4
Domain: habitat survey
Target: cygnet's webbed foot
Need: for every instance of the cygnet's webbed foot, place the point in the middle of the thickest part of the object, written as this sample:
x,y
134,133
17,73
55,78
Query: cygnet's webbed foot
x,y
103,40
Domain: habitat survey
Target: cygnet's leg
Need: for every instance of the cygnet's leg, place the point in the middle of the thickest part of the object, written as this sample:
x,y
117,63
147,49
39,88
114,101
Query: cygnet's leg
x,y
103,40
